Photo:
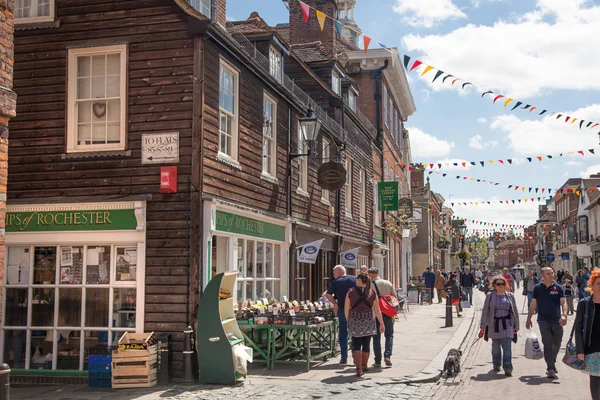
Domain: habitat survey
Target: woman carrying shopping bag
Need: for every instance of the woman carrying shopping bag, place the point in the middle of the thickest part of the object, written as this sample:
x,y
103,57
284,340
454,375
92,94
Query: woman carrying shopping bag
x,y
588,348
500,317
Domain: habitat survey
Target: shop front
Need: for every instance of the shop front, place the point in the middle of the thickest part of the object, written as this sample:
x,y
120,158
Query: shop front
x,y
73,281
249,242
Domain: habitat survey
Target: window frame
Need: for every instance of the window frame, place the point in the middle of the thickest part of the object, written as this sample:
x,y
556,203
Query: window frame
x,y
352,100
273,139
363,192
72,132
29,20
348,188
224,65
302,164
336,82
276,69
325,155
376,212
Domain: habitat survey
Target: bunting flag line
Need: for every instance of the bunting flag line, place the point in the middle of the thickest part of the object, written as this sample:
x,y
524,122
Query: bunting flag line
x,y
503,202
506,100
506,161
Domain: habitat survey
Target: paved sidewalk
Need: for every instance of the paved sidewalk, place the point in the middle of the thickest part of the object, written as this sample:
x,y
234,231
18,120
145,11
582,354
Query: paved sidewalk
x,y
420,346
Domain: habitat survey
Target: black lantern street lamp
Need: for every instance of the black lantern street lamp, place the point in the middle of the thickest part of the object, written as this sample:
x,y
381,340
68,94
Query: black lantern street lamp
x,y
310,126
462,229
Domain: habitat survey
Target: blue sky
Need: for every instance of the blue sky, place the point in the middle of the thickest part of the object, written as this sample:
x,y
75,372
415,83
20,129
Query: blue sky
x,y
541,52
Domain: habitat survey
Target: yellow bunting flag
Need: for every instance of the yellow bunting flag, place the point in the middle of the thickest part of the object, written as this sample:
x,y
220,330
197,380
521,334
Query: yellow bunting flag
x,y
321,17
426,70
507,101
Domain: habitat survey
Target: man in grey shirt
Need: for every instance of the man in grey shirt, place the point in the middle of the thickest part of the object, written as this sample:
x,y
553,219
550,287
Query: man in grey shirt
x,y
383,288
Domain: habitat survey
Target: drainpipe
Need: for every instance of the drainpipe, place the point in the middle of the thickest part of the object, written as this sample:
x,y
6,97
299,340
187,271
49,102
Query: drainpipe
x,y
292,253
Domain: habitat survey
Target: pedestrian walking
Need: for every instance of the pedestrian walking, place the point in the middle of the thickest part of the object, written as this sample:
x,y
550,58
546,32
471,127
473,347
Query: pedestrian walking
x,y
360,310
440,283
467,281
383,288
339,288
528,286
429,278
501,318
568,276
569,295
588,348
549,298
509,280
444,274
454,288
517,279
585,275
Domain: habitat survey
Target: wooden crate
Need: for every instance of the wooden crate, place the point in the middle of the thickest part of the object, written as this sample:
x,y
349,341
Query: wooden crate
x,y
137,341
134,368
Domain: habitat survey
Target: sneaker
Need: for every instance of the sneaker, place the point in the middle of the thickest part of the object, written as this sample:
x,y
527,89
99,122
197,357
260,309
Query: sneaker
x,y
343,362
508,373
496,369
375,365
388,362
551,374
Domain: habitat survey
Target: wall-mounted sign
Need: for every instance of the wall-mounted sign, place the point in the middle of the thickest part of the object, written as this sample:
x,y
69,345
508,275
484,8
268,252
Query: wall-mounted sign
x,y
417,215
75,220
331,175
387,193
405,207
564,256
233,223
160,148
310,251
550,257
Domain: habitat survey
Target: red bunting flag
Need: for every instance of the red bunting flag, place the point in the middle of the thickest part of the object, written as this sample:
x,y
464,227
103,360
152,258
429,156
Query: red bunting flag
x,y
501,161
431,166
498,97
415,65
567,119
305,10
367,41
539,158
464,164
581,152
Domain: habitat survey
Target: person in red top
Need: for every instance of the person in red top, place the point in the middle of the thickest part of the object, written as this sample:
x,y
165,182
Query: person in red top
x,y
509,280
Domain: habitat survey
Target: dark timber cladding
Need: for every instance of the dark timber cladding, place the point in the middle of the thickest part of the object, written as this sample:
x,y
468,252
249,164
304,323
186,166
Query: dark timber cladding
x,y
160,99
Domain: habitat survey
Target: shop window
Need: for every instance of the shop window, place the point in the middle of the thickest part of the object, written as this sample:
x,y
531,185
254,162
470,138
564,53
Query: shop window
x,y
363,260
262,263
28,11
68,315
97,98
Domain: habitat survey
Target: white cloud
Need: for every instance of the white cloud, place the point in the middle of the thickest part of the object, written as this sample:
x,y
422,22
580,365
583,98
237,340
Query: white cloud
x,y
572,164
426,14
426,145
477,142
482,120
549,136
594,169
448,164
528,54
426,95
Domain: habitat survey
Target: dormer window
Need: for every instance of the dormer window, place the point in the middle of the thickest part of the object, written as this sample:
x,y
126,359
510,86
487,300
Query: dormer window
x,y
352,100
275,63
336,83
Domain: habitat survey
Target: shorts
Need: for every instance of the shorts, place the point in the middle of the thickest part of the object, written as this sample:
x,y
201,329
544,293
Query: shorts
x,y
454,301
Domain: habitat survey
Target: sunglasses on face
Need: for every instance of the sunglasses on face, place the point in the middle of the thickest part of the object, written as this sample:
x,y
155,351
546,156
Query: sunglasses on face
x,y
500,283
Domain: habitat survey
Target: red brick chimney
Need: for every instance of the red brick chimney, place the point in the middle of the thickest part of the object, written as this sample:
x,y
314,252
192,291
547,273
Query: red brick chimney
x,y
417,179
308,32
221,10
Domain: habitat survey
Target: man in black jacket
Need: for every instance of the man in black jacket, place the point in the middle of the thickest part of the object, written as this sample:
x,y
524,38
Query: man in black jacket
x,y
467,281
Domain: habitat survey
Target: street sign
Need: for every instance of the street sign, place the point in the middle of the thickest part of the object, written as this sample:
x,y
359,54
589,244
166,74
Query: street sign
x,y
160,148
550,257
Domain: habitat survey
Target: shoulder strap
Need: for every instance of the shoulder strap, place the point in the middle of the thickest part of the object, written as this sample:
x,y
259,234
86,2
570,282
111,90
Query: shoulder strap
x,y
376,288
362,298
585,320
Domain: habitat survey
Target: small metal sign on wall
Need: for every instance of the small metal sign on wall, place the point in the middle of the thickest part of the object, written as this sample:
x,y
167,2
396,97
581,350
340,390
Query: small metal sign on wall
x,y
160,148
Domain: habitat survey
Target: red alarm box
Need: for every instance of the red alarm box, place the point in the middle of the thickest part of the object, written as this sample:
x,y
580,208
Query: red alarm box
x,y
168,179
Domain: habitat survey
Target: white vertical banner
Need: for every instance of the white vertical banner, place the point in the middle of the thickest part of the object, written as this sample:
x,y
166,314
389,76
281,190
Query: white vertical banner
x,y
350,258
310,251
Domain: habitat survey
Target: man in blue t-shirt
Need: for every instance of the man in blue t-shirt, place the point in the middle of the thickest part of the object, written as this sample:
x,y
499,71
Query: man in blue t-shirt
x,y
549,298
339,287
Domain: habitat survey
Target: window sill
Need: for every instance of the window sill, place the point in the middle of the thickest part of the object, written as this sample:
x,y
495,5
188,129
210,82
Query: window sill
x,y
325,202
225,159
302,192
363,220
265,176
348,214
92,154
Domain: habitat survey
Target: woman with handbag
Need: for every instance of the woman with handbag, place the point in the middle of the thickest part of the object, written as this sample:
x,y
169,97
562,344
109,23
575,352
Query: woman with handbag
x,y
587,333
501,320
361,308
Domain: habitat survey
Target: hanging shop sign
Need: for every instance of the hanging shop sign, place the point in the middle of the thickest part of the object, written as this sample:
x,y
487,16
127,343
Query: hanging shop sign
x,y
76,220
387,193
405,207
331,175
310,251
350,258
233,223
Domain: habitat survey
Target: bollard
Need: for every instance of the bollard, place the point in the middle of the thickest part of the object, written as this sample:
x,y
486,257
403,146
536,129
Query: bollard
x,y
4,382
448,309
188,353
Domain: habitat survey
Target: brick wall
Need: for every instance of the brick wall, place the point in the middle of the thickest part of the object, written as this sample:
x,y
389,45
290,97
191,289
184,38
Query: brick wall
x,y
7,110
221,10
303,32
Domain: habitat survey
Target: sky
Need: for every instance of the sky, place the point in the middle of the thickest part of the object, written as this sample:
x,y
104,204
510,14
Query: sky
x,y
539,52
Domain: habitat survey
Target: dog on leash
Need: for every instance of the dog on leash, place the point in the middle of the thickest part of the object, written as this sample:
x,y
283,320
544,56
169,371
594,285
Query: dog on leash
x,y
452,364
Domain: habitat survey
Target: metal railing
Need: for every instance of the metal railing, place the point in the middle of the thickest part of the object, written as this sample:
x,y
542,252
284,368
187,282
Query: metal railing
x,y
204,7
263,62
362,118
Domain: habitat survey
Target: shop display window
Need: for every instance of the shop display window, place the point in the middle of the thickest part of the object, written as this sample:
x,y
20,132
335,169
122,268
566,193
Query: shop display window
x,y
91,313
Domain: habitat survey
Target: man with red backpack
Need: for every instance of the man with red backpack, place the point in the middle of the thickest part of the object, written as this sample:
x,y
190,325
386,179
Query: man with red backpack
x,y
386,294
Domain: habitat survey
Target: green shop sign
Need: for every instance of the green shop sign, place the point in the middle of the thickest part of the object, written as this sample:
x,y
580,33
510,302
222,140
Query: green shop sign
x,y
387,193
232,223
77,220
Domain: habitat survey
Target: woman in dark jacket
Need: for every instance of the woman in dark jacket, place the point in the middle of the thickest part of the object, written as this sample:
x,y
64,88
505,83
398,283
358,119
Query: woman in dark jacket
x,y
454,288
589,349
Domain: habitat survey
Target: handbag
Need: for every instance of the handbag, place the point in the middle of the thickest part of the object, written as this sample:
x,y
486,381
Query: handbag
x,y
387,304
570,358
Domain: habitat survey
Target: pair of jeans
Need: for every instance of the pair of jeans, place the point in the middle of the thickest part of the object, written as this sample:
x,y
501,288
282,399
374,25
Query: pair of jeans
x,y
529,298
388,323
343,335
502,354
439,294
469,293
551,340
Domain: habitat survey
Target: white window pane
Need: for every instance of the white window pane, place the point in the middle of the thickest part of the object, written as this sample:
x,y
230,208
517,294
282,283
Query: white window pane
x,y
98,134
84,134
83,66
43,8
114,110
113,62
99,65
113,86
84,112
83,88
113,132
99,110
98,88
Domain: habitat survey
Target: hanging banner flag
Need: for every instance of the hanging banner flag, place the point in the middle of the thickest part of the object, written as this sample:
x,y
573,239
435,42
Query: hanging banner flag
x,y
339,28
321,17
387,193
366,41
350,258
310,251
305,10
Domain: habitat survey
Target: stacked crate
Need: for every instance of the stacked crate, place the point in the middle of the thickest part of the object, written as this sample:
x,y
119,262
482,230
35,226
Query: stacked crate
x,y
99,371
134,363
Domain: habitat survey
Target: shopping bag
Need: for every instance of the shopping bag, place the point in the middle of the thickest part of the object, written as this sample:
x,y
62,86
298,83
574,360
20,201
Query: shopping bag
x,y
533,350
242,355
570,358
465,304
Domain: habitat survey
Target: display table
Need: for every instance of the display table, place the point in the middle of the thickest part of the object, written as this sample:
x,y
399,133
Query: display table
x,y
259,338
